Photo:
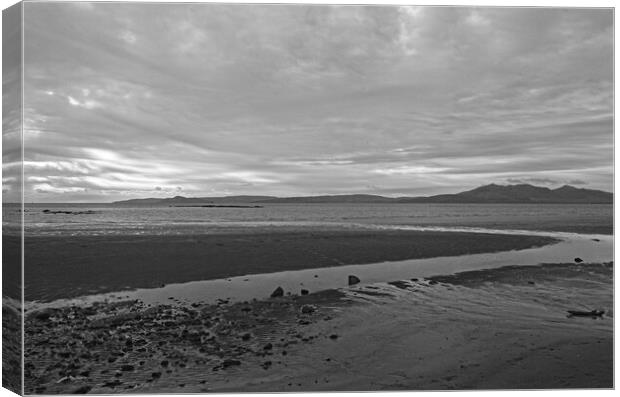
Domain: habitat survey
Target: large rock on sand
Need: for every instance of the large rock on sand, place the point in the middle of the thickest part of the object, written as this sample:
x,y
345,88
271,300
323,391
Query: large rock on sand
x,y
353,280
277,292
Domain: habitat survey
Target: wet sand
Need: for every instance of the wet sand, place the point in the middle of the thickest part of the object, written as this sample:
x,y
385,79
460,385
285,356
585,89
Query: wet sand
x,y
68,267
494,329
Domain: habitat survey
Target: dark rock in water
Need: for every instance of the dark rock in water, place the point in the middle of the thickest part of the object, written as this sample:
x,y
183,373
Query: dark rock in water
x,y
578,260
307,309
595,239
531,282
333,336
82,390
316,276
278,292
266,364
305,292
268,346
164,363
414,279
432,282
246,336
127,367
591,313
156,375
353,280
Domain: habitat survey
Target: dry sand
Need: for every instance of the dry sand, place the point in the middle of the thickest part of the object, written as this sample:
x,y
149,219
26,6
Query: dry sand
x,y
502,328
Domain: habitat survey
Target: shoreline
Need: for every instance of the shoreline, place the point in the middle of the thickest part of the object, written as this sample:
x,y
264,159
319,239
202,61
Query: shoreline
x,y
68,267
464,331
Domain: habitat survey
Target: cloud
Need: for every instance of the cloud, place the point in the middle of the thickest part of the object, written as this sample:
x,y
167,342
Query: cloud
x,y
288,99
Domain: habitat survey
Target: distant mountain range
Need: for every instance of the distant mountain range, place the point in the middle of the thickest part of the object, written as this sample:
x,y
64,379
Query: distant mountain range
x,y
512,194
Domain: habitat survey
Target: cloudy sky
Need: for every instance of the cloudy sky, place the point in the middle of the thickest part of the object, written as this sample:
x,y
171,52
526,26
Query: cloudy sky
x,y
143,100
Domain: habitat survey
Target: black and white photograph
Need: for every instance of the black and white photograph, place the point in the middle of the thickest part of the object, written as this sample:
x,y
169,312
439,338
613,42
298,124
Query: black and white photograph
x,y
238,198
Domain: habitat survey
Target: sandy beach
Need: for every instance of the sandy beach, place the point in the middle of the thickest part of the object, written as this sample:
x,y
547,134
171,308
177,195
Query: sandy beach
x,y
492,329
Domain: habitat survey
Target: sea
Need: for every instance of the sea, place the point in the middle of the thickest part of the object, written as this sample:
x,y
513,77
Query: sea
x,y
110,219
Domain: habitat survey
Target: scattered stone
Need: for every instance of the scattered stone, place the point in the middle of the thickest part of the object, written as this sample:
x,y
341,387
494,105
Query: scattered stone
x,y
277,292
246,336
156,375
578,260
164,363
595,239
82,389
127,367
266,364
333,336
353,280
531,282
268,346
305,292
308,309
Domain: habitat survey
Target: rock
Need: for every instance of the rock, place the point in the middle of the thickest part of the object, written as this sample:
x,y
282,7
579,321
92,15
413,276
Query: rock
x,y
156,375
268,346
308,309
277,292
44,315
127,367
164,363
353,280
246,336
333,336
578,260
305,292
595,239
229,363
82,389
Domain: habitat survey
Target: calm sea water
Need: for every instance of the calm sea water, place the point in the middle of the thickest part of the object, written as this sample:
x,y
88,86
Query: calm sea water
x,y
107,219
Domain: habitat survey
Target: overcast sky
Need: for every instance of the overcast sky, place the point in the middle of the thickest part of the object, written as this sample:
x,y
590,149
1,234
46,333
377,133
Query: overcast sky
x,y
143,100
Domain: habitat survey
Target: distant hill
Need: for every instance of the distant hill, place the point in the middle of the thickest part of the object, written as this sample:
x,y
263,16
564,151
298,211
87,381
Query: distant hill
x,y
519,194
343,198
513,194
180,200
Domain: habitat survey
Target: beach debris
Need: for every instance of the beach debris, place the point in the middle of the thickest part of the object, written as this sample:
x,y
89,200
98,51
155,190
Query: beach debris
x,y
353,280
308,309
305,292
578,260
585,313
277,292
